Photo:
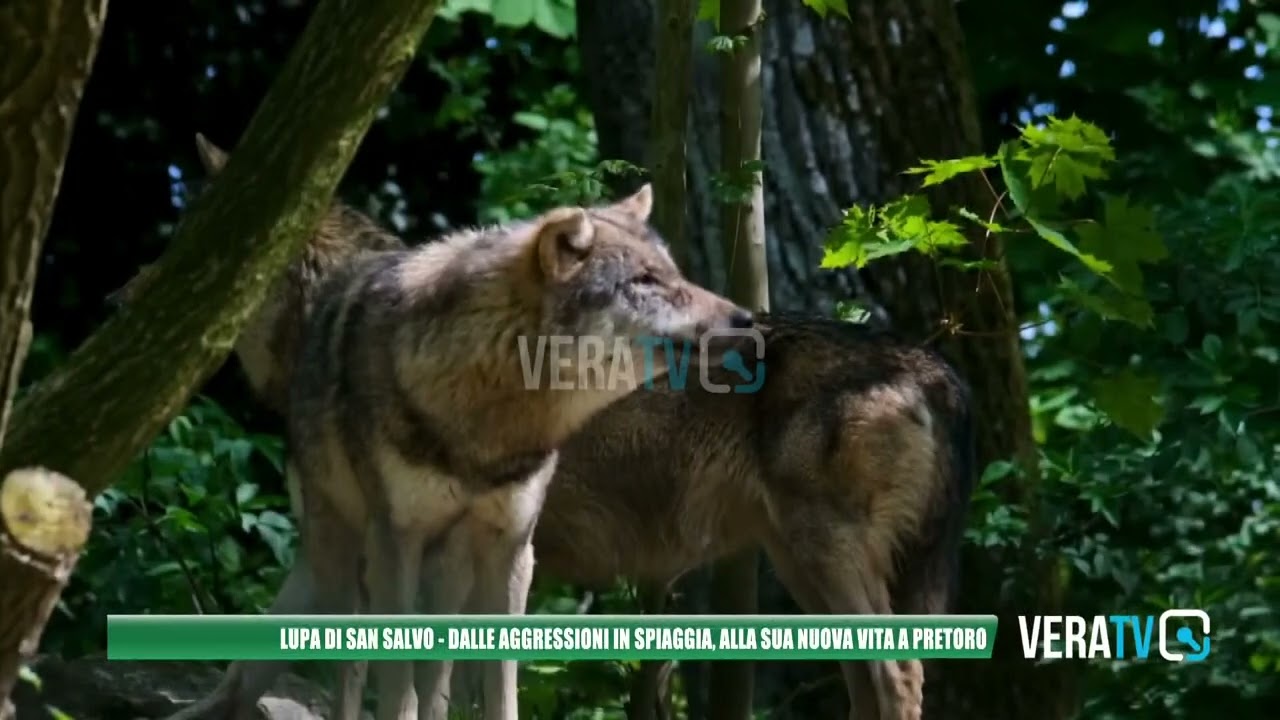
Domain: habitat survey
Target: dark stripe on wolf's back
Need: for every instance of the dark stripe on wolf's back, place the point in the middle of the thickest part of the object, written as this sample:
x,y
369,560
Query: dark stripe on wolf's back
x,y
418,441
351,361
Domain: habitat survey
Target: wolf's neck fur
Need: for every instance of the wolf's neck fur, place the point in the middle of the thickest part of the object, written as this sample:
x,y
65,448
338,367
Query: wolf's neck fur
x,y
472,296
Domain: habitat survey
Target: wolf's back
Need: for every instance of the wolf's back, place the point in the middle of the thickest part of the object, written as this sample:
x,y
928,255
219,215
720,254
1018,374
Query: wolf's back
x,y
269,346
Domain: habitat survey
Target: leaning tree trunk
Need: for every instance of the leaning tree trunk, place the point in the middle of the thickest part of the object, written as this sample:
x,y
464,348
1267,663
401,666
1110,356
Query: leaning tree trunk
x,y
93,415
848,105
139,369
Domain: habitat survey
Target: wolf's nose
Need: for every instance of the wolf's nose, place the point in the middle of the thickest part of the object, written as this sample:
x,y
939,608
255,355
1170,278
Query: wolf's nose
x,y
741,319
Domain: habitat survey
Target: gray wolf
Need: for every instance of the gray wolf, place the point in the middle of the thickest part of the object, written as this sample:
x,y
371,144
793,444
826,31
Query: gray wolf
x,y
852,467
416,447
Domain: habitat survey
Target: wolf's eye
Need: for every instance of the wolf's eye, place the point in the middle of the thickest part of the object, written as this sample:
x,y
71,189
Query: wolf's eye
x,y
646,279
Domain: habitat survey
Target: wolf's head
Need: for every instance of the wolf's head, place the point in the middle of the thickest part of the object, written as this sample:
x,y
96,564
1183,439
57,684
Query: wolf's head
x,y
607,274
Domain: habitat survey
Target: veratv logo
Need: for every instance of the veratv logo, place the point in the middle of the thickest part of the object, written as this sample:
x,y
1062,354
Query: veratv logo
x,y
1056,637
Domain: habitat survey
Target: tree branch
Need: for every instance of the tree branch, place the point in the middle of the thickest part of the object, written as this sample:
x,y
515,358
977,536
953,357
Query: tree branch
x,y
138,370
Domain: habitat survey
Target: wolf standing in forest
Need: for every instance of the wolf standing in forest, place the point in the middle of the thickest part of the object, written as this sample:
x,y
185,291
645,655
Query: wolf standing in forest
x,y
416,445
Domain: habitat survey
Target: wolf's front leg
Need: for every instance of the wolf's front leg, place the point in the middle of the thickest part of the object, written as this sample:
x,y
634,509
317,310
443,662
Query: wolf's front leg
x,y
393,561
502,588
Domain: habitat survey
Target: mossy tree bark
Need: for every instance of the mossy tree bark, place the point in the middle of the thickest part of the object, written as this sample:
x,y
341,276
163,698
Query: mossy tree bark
x,y
44,519
49,51
139,369
846,107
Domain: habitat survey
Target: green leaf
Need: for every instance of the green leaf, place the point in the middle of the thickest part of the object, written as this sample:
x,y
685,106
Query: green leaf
x,y
940,171
1014,180
841,7
1129,400
1110,303
1061,242
818,6
845,244
555,17
710,10
454,8
997,471
721,44
1125,238
27,675
1072,135
1067,174
513,13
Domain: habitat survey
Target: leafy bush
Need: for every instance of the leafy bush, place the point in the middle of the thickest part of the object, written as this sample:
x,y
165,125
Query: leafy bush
x,y
191,527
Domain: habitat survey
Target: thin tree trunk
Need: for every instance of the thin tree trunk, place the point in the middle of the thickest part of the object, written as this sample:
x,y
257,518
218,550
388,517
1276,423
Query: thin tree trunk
x,y
44,522
650,697
49,48
670,122
139,369
847,106
734,588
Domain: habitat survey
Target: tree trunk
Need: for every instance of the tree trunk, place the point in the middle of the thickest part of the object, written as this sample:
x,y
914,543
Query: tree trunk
x,y
650,691
668,154
847,106
734,587
44,522
139,369
48,53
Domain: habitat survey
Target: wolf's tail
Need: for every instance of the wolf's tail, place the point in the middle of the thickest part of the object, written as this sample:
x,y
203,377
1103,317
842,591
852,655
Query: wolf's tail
x,y
929,575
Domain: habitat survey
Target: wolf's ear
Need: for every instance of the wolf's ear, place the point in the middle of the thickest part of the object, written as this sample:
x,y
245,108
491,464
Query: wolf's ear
x,y
639,204
212,157
564,241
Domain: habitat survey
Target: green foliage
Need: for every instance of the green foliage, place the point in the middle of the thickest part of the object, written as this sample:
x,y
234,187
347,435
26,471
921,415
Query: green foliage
x,y
1046,169
735,186
1190,516
822,7
554,17
190,527
709,10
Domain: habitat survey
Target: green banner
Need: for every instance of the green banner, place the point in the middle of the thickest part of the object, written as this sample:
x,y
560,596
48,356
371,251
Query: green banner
x,y
549,637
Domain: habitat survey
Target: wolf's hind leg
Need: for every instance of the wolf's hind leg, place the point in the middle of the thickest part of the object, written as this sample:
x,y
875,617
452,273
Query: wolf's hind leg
x,y
827,565
245,682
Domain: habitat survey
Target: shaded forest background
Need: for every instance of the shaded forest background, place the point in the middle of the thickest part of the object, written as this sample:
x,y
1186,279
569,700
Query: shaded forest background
x,y
512,106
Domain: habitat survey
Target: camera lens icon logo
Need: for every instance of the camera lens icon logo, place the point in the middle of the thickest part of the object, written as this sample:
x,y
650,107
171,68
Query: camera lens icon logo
x,y
1185,635
749,371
